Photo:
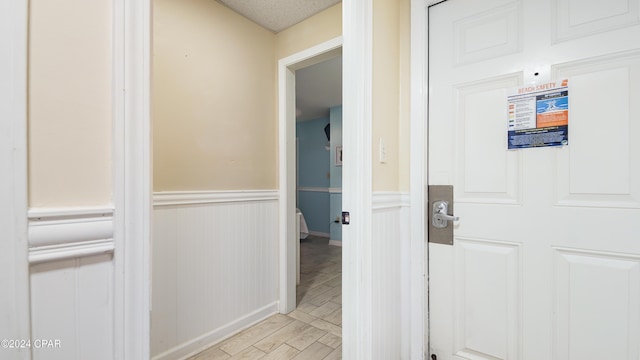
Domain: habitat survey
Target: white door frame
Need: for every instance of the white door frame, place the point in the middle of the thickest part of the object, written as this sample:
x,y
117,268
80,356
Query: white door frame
x,y
14,264
287,162
132,177
419,300
132,180
419,177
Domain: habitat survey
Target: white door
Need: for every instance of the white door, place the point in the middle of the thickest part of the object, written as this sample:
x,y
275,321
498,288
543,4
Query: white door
x,y
546,256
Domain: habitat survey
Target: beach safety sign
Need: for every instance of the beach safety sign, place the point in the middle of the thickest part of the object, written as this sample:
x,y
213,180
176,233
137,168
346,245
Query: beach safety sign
x,y
538,115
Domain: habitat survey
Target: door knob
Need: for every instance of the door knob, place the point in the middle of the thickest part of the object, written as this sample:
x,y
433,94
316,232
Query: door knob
x,y
440,218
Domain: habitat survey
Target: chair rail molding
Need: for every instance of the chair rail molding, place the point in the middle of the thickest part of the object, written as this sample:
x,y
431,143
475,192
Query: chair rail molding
x,y
61,233
390,200
172,198
313,189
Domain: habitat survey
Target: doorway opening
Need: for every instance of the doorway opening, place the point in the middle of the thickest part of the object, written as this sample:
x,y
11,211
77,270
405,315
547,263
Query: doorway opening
x,y
318,98
289,223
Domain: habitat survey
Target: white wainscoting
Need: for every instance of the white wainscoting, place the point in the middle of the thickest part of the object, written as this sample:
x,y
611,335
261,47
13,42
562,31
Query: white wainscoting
x,y
72,282
391,271
215,267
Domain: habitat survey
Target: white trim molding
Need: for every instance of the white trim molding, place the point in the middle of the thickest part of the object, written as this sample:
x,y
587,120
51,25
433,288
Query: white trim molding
x,y
70,250
14,266
199,344
132,177
67,225
319,233
69,213
56,234
390,200
313,189
331,190
335,243
170,198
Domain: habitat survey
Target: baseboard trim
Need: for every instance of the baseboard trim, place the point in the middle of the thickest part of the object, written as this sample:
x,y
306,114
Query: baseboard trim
x,y
169,198
335,242
319,233
206,340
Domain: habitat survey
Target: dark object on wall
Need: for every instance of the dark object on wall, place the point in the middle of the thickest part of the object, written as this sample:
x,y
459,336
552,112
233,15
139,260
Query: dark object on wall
x,y
327,131
346,218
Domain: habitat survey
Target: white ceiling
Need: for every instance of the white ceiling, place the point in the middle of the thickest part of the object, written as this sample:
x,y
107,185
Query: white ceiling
x,y
277,15
318,87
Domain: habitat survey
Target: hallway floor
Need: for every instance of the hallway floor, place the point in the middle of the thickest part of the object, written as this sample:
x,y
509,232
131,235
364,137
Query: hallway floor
x,y
313,331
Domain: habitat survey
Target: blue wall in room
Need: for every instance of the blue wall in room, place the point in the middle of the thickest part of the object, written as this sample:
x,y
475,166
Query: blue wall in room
x,y
313,158
317,168
315,207
313,171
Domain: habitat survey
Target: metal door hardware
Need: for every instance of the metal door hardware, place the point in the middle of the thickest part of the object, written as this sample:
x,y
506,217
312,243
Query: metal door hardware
x,y
440,214
346,218
440,217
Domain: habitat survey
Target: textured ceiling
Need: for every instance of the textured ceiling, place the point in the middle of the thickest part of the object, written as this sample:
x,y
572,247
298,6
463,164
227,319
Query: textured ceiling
x,y
277,15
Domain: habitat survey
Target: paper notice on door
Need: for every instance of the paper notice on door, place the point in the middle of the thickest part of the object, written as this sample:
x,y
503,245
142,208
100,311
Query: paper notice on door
x,y
538,115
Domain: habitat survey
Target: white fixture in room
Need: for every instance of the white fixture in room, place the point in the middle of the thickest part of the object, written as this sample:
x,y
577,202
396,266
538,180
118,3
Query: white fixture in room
x,y
382,156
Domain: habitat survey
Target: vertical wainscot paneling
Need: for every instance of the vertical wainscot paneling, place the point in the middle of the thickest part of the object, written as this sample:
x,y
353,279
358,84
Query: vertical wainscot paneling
x,y
215,267
72,283
390,267
72,308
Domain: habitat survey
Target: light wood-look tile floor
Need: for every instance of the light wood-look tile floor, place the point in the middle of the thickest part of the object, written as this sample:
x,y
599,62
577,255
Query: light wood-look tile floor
x,y
312,331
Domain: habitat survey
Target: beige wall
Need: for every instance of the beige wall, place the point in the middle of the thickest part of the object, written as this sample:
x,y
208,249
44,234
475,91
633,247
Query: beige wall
x,y
404,146
390,92
213,99
215,94
315,30
209,136
70,119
